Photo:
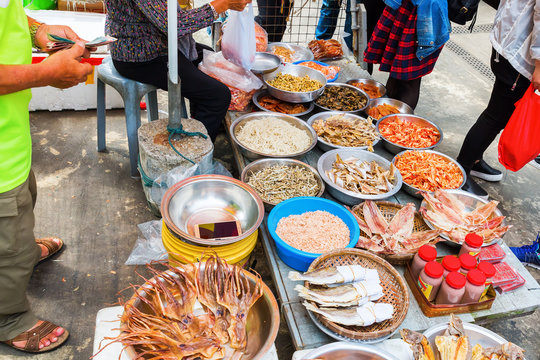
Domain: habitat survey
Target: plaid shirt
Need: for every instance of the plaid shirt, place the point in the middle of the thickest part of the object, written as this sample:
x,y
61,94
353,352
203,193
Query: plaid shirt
x,y
393,44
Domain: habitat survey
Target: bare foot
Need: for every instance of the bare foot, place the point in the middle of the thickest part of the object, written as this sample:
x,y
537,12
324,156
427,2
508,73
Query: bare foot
x,y
46,341
44,250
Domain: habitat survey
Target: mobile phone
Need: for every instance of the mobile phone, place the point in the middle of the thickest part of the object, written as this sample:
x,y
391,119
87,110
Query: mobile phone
x,y
217,230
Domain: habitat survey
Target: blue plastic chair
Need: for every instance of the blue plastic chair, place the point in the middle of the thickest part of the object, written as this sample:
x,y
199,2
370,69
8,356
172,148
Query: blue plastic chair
x,y
132,93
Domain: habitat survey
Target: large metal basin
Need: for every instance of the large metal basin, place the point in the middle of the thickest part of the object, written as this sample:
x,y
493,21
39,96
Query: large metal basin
x,y
411,119
208,199
300,71
348,351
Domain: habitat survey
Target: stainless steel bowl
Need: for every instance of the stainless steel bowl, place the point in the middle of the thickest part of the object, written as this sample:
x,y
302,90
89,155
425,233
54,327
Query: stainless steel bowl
x,y
400,105
300,71
413,119
264,163
206,199
354,88
262,321
326,146
345,196
258,94
471,202
265,63
348,351
381,87
300,52
252,154
411,190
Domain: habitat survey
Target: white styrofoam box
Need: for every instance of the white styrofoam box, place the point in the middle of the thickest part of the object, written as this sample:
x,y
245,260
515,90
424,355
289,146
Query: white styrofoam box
x,y
83,96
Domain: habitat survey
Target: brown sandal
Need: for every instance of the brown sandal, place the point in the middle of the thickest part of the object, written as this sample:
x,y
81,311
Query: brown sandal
x,y
51,246
34,336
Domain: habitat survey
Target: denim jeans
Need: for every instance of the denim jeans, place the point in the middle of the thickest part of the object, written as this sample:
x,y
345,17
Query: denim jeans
x,y
328,20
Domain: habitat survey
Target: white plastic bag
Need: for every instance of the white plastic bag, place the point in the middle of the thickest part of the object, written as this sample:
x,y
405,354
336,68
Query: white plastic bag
x,y
238,44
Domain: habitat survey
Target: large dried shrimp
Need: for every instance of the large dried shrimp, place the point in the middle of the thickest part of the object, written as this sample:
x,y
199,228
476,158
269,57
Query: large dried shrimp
x,y
408,134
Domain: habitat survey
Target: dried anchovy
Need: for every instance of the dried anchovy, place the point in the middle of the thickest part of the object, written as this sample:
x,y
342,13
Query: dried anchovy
x,y
293,83
281,182
341,98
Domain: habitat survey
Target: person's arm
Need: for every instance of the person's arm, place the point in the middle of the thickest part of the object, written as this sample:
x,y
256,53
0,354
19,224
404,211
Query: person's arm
x,y
62,70
39,32
535,46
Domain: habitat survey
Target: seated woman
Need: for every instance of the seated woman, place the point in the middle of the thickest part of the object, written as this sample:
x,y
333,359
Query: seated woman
x,y
141,51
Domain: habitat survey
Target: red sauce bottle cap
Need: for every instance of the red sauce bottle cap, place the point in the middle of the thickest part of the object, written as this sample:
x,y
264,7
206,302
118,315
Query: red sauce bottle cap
x,y
476,277
467,261
427,253
487,268
474,240
451,263
434,269
455,280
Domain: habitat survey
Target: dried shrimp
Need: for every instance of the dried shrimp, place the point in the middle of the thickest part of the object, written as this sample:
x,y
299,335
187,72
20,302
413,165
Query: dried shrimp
x,y
408,134
342,131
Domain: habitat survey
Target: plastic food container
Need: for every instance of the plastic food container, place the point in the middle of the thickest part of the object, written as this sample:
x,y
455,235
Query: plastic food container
x,y
452,289
474,288
450,263
472,245
468,263
489,270
430,280
425,254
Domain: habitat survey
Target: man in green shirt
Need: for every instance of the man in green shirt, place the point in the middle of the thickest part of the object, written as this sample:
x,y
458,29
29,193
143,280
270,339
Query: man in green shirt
x,y
19,250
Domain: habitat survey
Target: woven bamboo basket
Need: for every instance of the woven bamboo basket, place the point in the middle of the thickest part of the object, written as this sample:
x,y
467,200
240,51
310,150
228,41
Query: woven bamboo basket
x,y
388,210
394,289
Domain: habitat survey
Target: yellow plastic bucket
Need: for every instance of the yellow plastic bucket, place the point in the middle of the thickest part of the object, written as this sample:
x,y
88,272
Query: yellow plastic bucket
x,y
234,253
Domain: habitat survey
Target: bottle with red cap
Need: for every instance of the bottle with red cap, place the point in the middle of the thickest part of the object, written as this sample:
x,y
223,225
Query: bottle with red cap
x,y
472,245
450,263
452,289
489,270
468,262
425,254
476,282
430,279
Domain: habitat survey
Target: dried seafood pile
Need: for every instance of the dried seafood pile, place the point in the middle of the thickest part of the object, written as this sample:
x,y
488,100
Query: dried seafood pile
x,y
284,54
271,103
341,131
341,98
409,134
350,303
370,89
449,214
329,71
363,177
281,182
325,49
382,110
454,344
173,328
391,238
293,83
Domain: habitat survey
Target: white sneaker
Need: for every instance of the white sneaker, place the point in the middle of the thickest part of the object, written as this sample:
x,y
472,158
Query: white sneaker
x,y
535,162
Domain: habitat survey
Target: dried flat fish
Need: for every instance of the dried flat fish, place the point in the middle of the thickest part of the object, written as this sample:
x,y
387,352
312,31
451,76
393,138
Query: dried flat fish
x,y
342,131
336,275
355,294
363,177
364,315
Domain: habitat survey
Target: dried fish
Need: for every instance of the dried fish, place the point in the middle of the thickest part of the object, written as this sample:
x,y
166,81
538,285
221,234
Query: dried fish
x,y
336,275
342,131
355,294
364,315
281,182
361,176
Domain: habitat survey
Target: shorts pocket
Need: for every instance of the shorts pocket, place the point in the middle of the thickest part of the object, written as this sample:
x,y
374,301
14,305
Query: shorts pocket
x,y
8,224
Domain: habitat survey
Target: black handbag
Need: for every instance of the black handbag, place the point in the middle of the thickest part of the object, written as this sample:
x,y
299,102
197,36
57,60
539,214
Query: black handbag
x,y
461,11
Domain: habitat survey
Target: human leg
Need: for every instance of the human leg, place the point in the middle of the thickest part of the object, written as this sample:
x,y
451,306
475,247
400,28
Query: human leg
x,y
327,19
374,10
407,91
273,17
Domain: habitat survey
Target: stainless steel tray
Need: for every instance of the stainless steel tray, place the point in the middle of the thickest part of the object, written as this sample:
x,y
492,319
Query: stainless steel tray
x,y
349,351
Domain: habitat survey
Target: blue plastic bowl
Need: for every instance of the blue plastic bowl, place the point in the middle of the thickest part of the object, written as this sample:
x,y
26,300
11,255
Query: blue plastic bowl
x,y
320,63
298,259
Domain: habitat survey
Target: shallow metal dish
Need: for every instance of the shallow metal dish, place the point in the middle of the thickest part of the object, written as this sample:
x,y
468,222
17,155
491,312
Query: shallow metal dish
x,y
300,71
411,190
265,63
381,87
258,94
476,334
262,322
345,196
470,201
211,198
413,119
360,91
400,105
326,146
348,351
300,52
252,154
264,163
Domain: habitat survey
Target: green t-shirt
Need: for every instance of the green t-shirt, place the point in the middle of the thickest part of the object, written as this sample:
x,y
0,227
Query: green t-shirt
x,y
15,141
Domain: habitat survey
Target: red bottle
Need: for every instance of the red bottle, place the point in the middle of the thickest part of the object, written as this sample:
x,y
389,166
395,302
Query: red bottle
x,y
452,289
474,287
450,263
472,245
468,262
430,279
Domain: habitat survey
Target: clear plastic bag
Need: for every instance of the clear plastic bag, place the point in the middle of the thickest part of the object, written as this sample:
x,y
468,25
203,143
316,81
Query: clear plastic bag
x,y
149,246
238,43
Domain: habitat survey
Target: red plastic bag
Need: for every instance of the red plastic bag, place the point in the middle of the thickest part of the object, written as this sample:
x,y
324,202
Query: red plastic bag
x,y
520,140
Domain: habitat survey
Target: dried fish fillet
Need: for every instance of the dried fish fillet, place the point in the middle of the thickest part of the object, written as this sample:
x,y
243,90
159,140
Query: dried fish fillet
x,y
364,315
336,275
343,131
420,346
355,294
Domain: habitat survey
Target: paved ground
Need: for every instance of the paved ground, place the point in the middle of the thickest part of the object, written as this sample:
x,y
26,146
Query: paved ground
x,y
89,200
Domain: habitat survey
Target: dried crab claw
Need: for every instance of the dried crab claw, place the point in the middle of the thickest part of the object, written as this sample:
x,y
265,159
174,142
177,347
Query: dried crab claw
x,y
419,344
238,296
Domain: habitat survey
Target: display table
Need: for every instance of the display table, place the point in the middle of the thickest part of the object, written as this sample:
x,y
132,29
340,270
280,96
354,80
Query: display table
x,y
304,332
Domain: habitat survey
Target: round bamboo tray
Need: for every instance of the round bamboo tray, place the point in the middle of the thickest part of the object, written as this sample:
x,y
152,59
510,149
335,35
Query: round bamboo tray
x,y
394,289
388,210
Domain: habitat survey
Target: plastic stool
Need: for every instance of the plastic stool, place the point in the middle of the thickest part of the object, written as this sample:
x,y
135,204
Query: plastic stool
x,y
132,93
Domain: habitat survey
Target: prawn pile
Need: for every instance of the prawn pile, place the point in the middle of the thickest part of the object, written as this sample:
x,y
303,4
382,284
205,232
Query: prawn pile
x,y
172,326
396,237
342,131
428,171
329,71
448,214
454,344
408,134
362,176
